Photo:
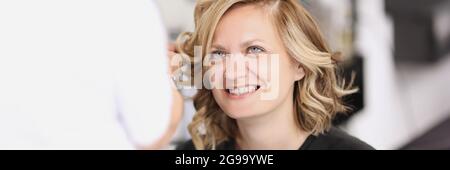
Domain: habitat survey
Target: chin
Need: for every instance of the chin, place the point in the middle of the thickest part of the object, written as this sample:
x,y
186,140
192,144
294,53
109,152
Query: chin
x,y
241,113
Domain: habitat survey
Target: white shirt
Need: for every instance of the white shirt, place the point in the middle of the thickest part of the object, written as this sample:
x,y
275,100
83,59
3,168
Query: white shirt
x,y
84,74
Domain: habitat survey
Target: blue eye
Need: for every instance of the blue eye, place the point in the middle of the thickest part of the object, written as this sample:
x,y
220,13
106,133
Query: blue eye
x,y
218,54
255,50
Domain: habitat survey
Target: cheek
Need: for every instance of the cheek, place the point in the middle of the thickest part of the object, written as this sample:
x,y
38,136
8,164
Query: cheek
x,y
213,77
218,96
289,72
278,72
287,75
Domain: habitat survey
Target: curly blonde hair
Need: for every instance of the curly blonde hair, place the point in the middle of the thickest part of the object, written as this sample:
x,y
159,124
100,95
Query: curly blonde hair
x,y
317,97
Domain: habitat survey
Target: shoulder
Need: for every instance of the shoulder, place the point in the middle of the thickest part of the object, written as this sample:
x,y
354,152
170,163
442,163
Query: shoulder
x,y
335,139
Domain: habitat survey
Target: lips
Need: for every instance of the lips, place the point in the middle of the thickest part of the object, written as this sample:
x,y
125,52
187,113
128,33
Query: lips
x,y
241,91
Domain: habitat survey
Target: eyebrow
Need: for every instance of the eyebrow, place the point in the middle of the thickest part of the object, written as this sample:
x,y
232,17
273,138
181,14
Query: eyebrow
x,y
244,44
249,42
218,46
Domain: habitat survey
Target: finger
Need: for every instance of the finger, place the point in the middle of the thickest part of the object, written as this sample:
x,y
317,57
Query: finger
x,y
172,47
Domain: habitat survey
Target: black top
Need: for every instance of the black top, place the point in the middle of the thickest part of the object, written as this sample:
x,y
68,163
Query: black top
x,y
334,139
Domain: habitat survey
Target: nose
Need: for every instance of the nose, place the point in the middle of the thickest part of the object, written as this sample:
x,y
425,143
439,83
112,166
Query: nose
x,y
236,67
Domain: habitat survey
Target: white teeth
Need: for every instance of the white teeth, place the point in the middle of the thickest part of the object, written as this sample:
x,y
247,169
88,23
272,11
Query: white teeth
x,y
242,90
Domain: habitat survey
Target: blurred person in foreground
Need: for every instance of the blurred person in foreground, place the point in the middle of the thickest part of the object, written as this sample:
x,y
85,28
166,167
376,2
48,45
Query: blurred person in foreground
x,y
87,74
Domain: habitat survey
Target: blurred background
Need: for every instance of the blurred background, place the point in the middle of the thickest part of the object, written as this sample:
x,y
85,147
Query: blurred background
x,y
400,51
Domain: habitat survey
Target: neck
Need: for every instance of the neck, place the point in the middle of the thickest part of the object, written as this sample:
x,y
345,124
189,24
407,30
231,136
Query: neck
x,y
275,130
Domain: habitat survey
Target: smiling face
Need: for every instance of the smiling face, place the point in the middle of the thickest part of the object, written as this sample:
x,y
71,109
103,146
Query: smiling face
x,y
243,35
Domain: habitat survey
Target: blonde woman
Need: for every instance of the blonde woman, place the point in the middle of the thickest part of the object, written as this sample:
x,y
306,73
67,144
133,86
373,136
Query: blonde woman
x,y
307,90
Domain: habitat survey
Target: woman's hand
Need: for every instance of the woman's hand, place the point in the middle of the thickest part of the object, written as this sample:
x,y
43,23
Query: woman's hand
x,y
171,52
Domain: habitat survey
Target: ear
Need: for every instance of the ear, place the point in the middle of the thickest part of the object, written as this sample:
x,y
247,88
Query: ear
x,y
299,73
